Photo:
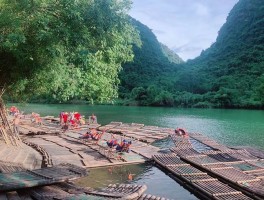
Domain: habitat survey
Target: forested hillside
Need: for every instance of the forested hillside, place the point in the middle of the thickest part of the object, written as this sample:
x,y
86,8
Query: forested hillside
x,y
149,75
60,51
229,74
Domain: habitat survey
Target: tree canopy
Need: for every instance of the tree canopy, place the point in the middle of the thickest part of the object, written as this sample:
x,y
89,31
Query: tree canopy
x,y
64,48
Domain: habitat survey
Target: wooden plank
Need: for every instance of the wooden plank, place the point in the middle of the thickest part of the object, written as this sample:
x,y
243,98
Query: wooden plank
x,y
12,195
44,176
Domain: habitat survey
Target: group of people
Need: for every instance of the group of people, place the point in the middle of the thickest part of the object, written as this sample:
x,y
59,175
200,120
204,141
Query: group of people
x,y
73,119
14,111
123,146
92,134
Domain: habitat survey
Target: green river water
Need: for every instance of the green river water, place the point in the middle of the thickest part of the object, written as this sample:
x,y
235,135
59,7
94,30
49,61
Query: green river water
x,y
229,127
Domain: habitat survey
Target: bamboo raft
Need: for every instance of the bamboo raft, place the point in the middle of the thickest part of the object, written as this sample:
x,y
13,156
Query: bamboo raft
x,y
69,191
211,170
50,182
39,177
147,134
217,173
56,148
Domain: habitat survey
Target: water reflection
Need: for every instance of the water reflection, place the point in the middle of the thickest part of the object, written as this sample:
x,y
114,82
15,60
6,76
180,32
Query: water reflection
x,y
158,182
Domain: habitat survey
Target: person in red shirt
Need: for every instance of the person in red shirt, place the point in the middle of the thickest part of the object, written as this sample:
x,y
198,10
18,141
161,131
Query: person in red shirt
x,y
77,116
65,118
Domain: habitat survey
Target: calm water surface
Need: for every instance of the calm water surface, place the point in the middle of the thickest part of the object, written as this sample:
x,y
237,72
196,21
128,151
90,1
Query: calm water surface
x,y
229,127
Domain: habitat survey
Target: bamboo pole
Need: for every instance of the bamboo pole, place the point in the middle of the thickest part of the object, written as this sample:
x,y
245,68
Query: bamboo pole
x,y
4,135
6,129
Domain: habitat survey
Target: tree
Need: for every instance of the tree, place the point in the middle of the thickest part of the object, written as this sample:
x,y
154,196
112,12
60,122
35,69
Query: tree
x,y
70,49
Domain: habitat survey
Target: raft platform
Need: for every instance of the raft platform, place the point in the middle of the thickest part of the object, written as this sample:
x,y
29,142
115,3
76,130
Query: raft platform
x,y
205,167
218,173
58,147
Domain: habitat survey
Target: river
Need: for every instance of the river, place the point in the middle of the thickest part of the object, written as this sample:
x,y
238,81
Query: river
x,y
229,127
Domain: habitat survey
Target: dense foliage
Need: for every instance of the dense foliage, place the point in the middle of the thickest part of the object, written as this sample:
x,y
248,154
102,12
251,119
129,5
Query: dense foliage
x,y
230,74
150,72
64,49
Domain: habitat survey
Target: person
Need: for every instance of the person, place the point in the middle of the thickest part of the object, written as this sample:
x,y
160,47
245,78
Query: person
x,y
38,120
181,132
61,117
12,110
113,142
124,146
93,119
35,117
130,176
77,116
65,117
16,122
82,120
95,134
87,135
65,122
73,123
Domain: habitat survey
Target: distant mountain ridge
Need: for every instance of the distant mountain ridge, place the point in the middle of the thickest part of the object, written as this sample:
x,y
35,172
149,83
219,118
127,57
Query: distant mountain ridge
x,y
171,55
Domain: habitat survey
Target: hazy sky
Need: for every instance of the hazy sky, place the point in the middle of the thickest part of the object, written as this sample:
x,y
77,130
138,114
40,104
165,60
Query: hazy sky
x,y
185,26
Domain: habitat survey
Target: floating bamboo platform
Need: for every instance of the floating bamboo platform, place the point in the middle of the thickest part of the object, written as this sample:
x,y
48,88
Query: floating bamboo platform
x,y
50,182
147,134
39,177
207,168
60,147
218,172
68,191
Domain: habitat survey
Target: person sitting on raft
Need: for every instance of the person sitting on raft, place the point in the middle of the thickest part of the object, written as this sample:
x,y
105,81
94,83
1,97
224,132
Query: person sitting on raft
x,y
96,135
87,135
124,146
113,142
181,132
93,119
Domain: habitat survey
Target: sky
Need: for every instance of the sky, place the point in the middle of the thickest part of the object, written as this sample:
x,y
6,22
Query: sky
x,y
185,26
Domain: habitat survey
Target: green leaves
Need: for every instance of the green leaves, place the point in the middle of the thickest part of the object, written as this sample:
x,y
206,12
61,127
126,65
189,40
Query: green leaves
x,y
65,49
